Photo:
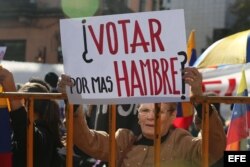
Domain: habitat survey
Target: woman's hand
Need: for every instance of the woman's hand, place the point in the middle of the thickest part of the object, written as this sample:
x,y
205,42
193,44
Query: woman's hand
x,y
64,80
193,77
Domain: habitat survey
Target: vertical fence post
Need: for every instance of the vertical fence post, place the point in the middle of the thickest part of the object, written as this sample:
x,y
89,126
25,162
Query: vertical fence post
x,y
30,133
69,119
112,142
205,134
157,138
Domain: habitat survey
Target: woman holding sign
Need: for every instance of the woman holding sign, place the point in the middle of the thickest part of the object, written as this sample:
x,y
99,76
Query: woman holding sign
x,y
178,146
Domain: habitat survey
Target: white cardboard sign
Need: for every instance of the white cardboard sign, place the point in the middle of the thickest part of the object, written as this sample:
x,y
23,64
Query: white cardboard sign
x,y
125,58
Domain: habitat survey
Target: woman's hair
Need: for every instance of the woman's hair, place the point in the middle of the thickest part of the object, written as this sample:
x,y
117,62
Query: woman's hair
x,y
51,78
46,109
40,81
171,109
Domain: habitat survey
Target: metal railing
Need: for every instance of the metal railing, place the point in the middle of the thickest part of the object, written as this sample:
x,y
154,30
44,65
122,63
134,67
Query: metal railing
x,y
205,100
30,127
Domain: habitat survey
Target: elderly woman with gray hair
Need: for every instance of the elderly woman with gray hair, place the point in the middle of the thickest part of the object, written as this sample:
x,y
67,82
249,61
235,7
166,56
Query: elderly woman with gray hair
x,y
178,147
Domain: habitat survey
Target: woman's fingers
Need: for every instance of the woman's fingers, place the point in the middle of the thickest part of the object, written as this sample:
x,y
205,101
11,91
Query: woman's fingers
x,y
64,80
193,77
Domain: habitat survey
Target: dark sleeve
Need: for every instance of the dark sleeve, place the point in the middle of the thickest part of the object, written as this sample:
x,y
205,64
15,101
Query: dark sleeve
x,y
42,147
198,108
198,114
19,126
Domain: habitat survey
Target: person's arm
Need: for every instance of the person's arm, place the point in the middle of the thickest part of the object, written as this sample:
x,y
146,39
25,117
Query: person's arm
x,y
94,143
8,84
19,122
191,147
18,113
217,137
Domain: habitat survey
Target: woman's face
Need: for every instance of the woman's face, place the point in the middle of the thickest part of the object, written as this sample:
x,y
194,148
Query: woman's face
x,y
146,115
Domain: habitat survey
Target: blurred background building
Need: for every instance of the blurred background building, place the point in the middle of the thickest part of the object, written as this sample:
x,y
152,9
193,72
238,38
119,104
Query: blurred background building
x,y
30,28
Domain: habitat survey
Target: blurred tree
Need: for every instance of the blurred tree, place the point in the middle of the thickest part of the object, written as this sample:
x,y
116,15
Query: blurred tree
x,y
79,8
241,10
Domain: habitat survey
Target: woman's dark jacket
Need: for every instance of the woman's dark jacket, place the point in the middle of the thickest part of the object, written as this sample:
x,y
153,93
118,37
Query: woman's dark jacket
x,y
45,149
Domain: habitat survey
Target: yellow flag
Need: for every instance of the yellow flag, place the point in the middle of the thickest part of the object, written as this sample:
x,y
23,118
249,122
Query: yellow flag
x,y
191,49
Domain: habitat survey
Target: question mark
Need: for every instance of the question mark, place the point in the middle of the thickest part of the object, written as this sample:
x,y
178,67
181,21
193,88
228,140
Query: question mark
x,y
84,54
182,53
